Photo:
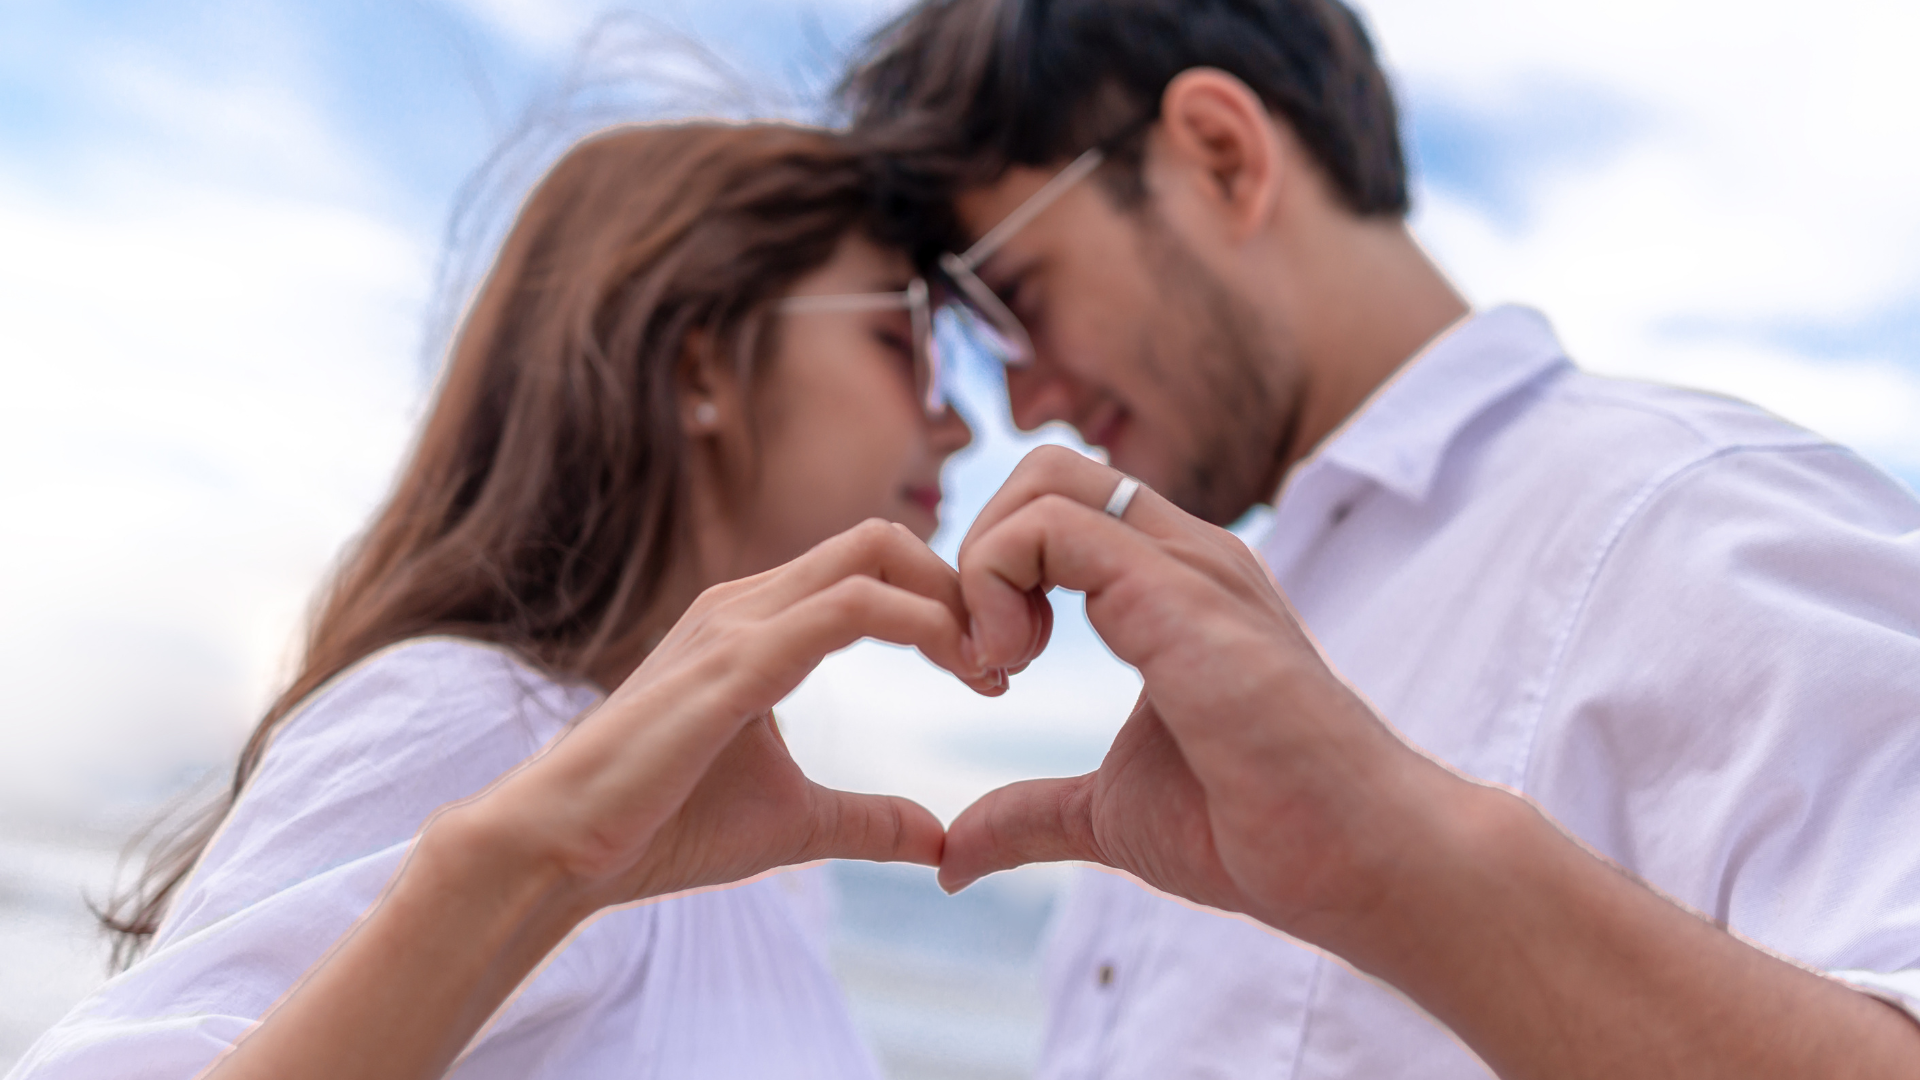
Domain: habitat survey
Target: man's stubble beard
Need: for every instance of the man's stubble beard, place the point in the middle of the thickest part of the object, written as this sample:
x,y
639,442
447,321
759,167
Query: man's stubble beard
x,y
1233,377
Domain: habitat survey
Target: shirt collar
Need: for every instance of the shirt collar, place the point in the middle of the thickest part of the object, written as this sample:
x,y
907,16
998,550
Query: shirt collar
x,y
1399,437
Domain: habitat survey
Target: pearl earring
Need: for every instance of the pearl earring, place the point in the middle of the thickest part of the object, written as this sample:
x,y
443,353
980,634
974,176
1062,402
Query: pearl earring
x,y
706,414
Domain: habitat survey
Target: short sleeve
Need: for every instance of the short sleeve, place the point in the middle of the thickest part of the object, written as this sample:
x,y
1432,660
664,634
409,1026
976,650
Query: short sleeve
x,y
309,847
1901,989
1734,713
362,766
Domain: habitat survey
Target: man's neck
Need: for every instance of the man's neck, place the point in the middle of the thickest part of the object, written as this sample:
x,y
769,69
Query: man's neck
x,y
1373,300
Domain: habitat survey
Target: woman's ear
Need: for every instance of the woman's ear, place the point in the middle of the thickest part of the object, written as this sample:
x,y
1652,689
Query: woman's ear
x,y
1218,132
706,387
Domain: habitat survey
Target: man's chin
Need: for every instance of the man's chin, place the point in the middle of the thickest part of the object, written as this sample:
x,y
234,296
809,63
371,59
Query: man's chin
x,y
1186,485
1194,492
1146,472
1153,473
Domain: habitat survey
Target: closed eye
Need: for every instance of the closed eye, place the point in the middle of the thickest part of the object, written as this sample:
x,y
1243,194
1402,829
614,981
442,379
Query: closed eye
x,y
1009,293
896,341
1015,294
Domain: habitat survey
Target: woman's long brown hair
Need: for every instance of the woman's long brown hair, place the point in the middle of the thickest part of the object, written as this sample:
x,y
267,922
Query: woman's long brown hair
x,y
543,501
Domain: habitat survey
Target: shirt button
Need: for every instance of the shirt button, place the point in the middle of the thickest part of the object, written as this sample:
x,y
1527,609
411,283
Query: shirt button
x,y
1105,976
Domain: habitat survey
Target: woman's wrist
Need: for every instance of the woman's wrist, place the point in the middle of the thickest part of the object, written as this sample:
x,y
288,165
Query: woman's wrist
x,y
512,890
471,913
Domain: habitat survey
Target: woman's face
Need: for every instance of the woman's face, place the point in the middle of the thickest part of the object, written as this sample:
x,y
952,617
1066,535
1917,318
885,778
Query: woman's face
x,y
842,433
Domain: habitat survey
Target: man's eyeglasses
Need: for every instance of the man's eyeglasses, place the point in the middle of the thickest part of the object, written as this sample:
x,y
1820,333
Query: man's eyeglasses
x,y
981,315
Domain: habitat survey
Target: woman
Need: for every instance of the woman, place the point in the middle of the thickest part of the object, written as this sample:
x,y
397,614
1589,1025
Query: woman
x,y
690,377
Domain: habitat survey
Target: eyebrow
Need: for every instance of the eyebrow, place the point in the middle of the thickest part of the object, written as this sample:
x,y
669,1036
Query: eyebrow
x,y
884,284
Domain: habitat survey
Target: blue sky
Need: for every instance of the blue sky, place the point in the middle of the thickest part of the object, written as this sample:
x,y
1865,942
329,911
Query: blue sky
x,y
224,221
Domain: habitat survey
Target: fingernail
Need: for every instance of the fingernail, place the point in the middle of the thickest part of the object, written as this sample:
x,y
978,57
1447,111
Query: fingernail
x,y
969,657
997,678
973,635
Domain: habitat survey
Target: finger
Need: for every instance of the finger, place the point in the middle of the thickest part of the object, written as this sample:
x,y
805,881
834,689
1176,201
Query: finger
x,y
1050,541
686,715
878,549
691,710
877,828
863,607
1056,470
1042,611
1028,822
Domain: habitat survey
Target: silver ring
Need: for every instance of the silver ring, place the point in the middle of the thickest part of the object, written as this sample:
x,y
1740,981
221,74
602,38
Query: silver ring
x,y
1122,495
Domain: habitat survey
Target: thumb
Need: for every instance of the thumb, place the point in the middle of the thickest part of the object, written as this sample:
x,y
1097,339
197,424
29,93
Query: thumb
x,y
877,828
1031,821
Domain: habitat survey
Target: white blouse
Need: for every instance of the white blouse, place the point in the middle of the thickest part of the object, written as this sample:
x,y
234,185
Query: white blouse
x,y
731,982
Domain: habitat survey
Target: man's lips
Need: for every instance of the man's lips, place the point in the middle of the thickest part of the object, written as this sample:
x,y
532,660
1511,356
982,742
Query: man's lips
x,y
1103,429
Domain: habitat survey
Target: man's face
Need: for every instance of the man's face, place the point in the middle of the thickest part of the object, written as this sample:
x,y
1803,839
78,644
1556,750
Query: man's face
x,y
1140,345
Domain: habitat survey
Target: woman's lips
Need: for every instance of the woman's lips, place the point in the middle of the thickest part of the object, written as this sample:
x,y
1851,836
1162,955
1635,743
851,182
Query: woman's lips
x,y
926,497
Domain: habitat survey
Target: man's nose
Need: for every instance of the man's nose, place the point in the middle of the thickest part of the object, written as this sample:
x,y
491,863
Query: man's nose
x,y
1036,395
949,433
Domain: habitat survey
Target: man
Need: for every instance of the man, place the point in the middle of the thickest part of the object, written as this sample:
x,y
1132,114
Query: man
x,y
1686,632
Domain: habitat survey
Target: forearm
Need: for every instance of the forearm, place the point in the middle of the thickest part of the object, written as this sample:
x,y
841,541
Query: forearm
x,y
1550,962
400,996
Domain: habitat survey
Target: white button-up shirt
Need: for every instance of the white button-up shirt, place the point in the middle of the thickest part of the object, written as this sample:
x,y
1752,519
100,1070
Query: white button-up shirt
x,y
1687,629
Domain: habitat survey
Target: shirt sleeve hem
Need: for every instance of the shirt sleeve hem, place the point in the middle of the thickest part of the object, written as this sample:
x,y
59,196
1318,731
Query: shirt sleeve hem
x,y
1901,989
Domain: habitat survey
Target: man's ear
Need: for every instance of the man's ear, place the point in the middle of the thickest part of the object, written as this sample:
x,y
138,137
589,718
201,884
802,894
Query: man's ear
x,y
1214,127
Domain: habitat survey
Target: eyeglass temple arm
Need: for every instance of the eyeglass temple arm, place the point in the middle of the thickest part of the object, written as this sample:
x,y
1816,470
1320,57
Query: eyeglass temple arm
x,y
895,301
983,248
914,300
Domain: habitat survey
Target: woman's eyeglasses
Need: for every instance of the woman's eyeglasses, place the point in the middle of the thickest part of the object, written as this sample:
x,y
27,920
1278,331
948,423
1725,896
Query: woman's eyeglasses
x,y
976,311
927,369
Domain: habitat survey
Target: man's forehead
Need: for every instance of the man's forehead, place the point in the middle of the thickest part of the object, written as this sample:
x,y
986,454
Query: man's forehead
x,y
981,207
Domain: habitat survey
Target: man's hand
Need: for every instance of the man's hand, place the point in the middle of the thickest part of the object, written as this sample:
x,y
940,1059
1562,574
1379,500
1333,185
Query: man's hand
x,y
1250,778
1248,774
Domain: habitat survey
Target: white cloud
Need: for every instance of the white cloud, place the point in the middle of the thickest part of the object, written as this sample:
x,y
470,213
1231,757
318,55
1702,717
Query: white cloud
x,y
545,27
210,358
1763,181
1616,303
553,28
207,391
248,125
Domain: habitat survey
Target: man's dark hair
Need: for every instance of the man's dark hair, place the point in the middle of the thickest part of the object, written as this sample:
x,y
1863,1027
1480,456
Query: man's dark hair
x,y
954,92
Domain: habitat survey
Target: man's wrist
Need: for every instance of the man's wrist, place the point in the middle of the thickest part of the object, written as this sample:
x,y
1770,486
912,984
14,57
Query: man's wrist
x,y
1447,879
1422,849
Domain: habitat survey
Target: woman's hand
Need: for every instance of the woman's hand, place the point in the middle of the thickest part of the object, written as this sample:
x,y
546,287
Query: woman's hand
x,y
678,780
